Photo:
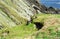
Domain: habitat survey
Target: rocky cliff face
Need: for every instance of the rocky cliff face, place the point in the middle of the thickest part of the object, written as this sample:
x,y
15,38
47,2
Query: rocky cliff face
x,y
49,10
13,12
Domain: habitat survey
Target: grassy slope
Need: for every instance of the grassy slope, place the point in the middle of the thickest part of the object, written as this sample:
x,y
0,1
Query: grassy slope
x,y
19,31
51,29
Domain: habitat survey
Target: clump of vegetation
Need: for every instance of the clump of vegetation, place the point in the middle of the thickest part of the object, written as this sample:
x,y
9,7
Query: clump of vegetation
x,y
51,26
20,31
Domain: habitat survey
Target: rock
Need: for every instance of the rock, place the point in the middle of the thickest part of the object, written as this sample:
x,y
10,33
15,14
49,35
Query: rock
x,y
13,12
50,10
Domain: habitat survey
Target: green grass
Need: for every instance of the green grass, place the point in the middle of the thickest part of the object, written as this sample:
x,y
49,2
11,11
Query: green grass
x,y
27,31
20,31
42,17
49,33
51,29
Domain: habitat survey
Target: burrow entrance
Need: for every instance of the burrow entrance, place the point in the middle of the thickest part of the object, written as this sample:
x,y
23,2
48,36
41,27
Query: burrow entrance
x,y
39,25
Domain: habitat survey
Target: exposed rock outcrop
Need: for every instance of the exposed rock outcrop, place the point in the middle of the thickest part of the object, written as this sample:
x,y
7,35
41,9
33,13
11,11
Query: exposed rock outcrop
x,y
15,12
49,10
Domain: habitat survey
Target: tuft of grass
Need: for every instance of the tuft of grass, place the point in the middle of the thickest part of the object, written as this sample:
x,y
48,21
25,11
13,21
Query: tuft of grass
x,y
51,28
20,31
